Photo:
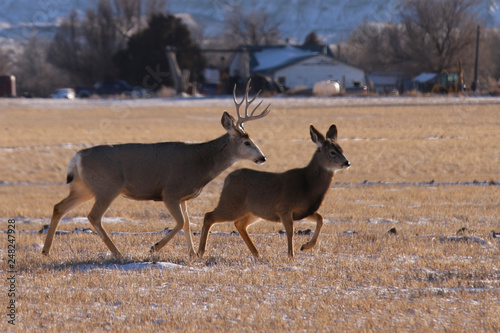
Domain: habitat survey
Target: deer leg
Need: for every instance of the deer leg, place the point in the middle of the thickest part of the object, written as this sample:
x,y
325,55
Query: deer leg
x,y
174,207
95,217
242,226
187,229
316,217
76,196
287,221
208,222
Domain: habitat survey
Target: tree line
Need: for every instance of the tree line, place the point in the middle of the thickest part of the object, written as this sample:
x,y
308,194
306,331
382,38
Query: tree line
x,y
432,35
126,39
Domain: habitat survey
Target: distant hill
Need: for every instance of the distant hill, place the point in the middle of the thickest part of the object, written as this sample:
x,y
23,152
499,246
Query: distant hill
x,y
331,20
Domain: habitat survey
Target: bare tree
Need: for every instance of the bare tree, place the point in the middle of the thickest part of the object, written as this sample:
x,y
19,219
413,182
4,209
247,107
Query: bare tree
x,y
130,15
5,62
154,6
437,32
489,59
84,48
432,36
66,50
492,42
102,39
369,47
34,75
254,28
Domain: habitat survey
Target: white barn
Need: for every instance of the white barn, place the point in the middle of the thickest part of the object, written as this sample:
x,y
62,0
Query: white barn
x,y
295,66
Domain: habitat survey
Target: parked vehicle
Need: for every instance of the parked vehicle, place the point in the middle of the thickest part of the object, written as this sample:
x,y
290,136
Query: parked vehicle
x,y
84,92
357,89
67,93
112,88
209,89
450,81
266,84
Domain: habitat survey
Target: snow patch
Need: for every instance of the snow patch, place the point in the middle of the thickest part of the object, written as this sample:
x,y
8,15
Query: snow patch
x,y
226,101
465,239
82,219
69,146
138,266
379,220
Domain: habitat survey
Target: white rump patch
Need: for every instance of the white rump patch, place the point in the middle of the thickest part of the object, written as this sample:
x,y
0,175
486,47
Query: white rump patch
x,y
76,161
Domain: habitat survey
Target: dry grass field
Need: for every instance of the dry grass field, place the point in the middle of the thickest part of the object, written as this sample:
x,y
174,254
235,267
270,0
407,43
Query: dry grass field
x,y
425,169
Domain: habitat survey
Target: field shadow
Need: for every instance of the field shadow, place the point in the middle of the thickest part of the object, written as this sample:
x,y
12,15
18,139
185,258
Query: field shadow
x,y
118,264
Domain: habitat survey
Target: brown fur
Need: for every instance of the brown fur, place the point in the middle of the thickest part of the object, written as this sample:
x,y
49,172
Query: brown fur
x,y
172,172
250,195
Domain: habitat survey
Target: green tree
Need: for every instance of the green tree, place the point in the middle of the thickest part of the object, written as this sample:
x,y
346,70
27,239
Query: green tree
x,y
144,63
312,39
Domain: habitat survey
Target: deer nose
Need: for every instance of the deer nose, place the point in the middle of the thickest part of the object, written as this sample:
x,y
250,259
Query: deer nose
x,y
260,160
347,164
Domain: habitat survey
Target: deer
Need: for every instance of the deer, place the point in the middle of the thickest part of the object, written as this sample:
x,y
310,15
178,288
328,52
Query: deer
x,y
250,195
172,172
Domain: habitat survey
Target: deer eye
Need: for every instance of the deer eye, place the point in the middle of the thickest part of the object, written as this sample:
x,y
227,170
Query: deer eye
x,y
247,143
332,153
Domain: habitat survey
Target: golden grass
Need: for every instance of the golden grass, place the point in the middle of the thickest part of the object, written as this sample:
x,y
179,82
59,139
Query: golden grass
x,y
420,279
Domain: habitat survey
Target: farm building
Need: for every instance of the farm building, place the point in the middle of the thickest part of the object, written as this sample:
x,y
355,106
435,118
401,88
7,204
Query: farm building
x,y
388,82
424,81
7,86
295,67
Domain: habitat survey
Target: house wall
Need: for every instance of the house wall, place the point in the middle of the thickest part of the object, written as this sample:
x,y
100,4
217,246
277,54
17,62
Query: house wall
x,y
386,82
319,68
234,66
239,66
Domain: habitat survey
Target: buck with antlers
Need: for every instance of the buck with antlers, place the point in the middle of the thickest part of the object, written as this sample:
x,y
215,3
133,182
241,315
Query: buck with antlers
x,y
250,195
172,172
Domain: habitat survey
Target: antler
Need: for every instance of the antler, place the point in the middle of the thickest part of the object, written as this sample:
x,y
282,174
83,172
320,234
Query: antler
x,y
247,117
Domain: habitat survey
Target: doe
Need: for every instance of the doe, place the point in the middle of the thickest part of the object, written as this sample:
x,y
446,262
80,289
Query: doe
x,y
249,195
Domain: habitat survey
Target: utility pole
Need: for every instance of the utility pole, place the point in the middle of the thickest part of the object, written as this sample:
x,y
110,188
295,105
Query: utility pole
x,y
474,83
175,71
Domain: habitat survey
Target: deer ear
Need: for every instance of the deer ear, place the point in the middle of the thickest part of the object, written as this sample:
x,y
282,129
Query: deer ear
x,y
332,133
316,136
227,122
